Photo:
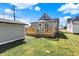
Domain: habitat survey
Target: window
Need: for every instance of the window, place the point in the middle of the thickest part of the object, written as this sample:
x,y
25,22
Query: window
x,y
40,27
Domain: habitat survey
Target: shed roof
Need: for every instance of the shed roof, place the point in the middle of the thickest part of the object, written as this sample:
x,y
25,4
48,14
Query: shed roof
x,y
45,17
69,20
2,20
76,18
73,19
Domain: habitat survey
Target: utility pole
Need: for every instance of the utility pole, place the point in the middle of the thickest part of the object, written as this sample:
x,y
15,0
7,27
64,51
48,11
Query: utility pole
x,y
3,14
14,12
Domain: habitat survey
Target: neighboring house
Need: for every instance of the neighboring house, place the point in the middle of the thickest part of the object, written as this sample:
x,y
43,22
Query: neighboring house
x,y
46,26
73,25
11,30
61,27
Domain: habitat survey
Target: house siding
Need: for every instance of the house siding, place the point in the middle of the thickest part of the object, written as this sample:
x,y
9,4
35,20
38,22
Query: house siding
x,y
76,27
70,27
50,24
10,32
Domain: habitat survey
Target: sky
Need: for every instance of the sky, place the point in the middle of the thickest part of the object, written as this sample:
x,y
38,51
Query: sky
x,y
31,12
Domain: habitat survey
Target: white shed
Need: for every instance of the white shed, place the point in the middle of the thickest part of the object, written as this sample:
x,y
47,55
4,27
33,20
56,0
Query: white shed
x,y
11,30
73,25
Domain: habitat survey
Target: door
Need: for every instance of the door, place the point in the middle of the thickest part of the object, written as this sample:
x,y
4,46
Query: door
x,y
41,27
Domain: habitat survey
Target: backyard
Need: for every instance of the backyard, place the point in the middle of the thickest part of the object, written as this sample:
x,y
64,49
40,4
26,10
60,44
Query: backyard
x,y
66,44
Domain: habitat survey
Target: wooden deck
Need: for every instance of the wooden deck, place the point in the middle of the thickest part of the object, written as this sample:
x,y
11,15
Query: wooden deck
x,y
49,32
30,31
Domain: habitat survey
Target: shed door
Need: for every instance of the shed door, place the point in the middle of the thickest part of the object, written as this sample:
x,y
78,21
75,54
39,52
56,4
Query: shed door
x,y
41,27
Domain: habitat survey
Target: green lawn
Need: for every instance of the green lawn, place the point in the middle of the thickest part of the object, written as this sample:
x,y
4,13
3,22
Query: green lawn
x,y
67,45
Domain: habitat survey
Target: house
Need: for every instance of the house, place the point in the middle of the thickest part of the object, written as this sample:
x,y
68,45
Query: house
x,y
11,30
45,26
61,27
73,25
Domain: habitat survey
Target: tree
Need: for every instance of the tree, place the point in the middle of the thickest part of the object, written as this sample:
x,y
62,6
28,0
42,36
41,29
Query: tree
x,y
65,27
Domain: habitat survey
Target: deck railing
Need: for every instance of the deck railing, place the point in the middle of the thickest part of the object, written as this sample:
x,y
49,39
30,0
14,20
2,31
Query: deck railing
x,y
30,31
47,32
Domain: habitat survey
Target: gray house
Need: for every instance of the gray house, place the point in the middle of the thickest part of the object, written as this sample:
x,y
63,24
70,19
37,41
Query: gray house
x,y
45,26
45,22
11,30
73,25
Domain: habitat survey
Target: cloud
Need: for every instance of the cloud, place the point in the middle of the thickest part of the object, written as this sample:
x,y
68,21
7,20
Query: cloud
x,y
25,21
69,8
17,19
6,17
63,20
8,11
37,8
1,15
24,5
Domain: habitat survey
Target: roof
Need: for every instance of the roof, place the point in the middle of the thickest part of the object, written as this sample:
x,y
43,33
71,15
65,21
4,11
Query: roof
x,y
73,19
45,17
43,21
69,20
76,18
2,20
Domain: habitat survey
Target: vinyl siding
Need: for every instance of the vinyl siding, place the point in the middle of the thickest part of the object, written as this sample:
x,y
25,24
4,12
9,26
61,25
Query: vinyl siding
x,y
76,27
10,32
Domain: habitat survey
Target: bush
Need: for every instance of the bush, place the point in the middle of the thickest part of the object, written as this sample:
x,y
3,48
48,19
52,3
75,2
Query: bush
x,y
65,27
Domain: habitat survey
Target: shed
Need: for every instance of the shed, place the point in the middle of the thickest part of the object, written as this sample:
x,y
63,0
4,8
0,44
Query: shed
x,y
45,26
73,24
11,30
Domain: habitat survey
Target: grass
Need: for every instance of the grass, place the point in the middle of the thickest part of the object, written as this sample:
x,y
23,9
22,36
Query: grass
x,y
66,45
